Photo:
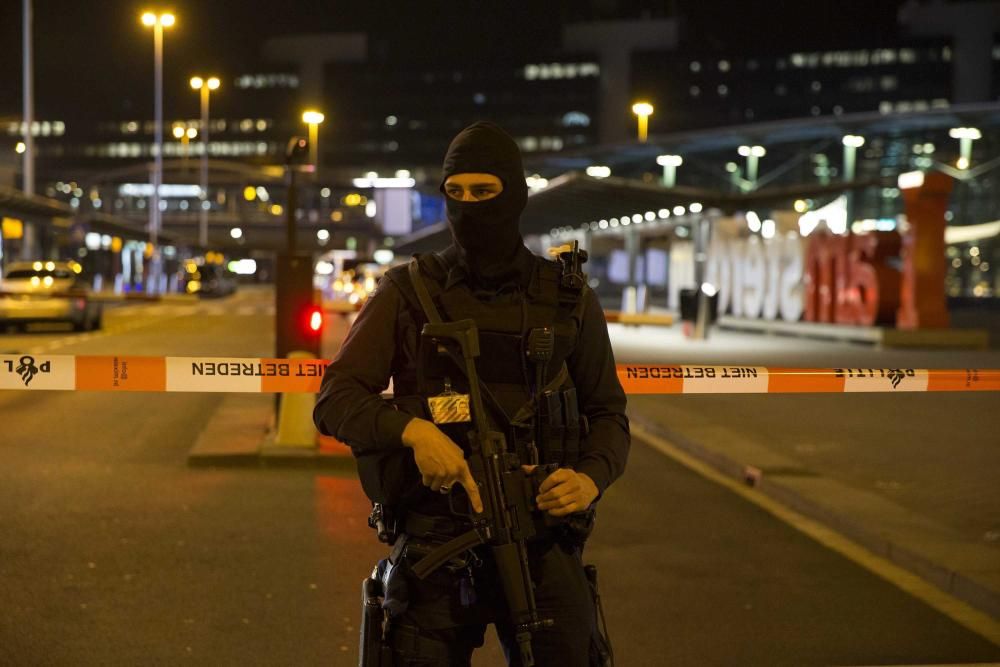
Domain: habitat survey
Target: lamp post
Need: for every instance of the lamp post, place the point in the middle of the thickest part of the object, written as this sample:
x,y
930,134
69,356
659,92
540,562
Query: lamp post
x,y
643,110
753,155
313,119
184,136
29,103
205,86
965,136
669,164
157,22
852,142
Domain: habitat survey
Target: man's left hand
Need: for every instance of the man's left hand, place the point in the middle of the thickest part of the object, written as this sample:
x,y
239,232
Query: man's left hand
x,y
565,491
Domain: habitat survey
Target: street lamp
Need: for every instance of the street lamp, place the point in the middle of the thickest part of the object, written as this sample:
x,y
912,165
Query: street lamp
x,y
643,110
313,118
205,86
157,22
669,164
965,136
752,154
184,136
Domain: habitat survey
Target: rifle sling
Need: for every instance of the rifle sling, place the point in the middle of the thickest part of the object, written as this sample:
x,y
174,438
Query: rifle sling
x,y
434,317
444,553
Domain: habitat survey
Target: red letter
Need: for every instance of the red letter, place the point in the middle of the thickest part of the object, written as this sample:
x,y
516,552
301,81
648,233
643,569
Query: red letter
x,y
922,299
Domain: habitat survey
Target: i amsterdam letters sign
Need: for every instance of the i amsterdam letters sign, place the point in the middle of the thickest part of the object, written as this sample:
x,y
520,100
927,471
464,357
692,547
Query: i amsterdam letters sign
x,y
884,278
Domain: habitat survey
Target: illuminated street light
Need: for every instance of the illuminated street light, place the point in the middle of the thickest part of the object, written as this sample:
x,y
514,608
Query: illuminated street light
x,y
157,22
20,147
204,86
669,164
313,119
965,136
236,232
852,142
643,110
753,155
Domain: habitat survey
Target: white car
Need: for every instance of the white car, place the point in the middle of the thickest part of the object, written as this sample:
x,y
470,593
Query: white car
x,y
47,292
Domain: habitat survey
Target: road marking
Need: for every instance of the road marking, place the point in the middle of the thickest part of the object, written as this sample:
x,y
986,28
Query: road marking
x,y
958,611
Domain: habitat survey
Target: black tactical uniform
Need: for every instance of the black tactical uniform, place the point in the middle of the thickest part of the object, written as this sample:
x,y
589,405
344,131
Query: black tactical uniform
x,y
489,276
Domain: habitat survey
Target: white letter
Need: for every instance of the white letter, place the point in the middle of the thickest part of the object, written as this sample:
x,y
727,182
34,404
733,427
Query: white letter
x,y
792,295
753,278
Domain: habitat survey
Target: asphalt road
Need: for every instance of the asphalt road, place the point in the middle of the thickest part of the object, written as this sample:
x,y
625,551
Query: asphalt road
x,y
113,552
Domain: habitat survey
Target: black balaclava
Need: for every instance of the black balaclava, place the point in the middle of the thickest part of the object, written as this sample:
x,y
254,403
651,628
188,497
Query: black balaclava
x,y
486,232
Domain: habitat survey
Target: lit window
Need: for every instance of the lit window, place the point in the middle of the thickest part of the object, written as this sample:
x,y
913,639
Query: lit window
x,y
816,86
575,119
724,65
695,91
723,90
695,66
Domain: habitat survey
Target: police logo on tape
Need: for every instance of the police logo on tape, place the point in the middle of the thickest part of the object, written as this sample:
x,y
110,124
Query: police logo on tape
x,y
27,368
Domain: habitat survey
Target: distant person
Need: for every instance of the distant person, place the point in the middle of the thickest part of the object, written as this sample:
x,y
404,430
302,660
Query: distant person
x,y
411,451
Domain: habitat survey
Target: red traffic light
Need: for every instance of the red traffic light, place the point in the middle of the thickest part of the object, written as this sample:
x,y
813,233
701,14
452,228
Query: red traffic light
x,y
315,320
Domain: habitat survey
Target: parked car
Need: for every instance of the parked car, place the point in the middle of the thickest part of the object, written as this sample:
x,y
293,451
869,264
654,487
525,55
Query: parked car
x,y
207,280
47,292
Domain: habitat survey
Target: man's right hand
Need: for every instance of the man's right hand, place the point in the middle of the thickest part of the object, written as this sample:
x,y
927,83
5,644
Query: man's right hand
x,y
441,462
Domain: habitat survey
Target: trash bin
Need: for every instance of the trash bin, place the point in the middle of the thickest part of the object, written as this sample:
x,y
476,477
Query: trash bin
x,y
689,305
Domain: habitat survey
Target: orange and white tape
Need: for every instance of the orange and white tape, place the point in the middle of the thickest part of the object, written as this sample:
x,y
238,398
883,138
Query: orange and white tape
x,y
135,373
646,379
242,375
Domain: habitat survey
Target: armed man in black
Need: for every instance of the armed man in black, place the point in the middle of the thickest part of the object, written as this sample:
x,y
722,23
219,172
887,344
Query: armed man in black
x,y
540,369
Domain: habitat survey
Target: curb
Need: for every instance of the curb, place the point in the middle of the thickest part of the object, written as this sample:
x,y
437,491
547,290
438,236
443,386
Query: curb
x,y
240,434
947,579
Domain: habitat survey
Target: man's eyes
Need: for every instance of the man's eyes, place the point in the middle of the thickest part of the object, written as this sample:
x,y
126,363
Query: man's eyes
x,y
478,193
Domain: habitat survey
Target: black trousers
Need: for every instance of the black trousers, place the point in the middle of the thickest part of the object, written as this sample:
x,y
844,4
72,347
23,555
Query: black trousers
x,y
441,626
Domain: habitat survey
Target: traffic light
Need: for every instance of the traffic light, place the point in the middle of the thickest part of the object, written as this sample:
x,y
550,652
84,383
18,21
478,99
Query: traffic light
x,y
297,151
298,317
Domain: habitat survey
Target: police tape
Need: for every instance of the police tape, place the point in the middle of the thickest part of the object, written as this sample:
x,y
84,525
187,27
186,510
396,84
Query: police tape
x,y
264,375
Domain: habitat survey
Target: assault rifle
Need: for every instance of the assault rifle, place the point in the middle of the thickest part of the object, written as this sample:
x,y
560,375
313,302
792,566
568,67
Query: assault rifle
x,y
508,494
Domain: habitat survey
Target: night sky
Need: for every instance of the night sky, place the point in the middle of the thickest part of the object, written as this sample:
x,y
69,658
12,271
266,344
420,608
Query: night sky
x,y
94,58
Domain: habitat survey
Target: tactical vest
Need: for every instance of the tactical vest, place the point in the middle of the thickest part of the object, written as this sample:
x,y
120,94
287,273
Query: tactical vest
x,y
508,376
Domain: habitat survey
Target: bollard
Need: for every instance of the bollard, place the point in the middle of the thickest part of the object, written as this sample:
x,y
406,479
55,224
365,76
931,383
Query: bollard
x,y
295,424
